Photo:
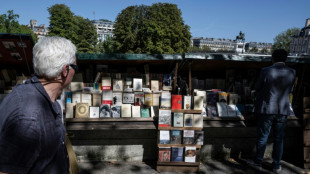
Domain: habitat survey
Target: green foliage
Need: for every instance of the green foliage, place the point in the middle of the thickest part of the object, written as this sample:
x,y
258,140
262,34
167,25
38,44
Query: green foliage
x,y
62,22
87,35
9,24
284,39
106,46
204,49
254,50
151,29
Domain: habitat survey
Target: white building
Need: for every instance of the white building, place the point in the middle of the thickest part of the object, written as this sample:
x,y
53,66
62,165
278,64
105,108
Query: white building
x,y
40,31
300,41
214,44
104,29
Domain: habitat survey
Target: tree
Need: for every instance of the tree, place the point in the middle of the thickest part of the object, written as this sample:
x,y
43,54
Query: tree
x,y
87,35
63,23
106,46
151,29
284,39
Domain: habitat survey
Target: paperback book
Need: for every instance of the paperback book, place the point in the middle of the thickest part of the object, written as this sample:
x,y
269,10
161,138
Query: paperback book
x,y
164,118
199,137
188,137
165,100
187,104
176,137
190,154
116,111
105,111
164,137
176,102
177,154
164,154
139,98
178,119
188,120
145,112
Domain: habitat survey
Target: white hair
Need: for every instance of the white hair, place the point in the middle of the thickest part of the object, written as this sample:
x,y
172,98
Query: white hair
x,y
50,54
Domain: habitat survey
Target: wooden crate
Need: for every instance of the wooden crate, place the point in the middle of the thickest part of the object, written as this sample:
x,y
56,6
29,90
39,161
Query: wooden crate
x,y
307,138
306,103
306,120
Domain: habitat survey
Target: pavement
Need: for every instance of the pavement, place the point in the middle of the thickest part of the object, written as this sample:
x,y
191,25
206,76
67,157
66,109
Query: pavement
x,y
211,166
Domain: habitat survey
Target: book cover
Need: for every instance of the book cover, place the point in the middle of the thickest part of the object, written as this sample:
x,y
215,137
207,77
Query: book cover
x,y
107,97
165,101
202,93
118,85
178,119
139,98
188,137
117,98
190,154
177,154
69,110
116,111
148,99
198,120
221,109
188,120
176,137
199,137
198,102
86,98
145,112
97,99
164,118
187,104
93,112
76,98
126,110
212,98
223,97
164,154
164,137
231,110
135,111
137,84
105,111
156,97
211,111
154,85
146,90
81,110
233,98
106,83
176,101
128,98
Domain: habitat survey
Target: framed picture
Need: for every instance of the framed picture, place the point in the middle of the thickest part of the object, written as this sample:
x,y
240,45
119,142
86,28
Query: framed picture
x,y
117,85
137,84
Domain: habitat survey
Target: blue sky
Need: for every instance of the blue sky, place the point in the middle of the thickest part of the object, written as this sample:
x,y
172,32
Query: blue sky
x,y
260,20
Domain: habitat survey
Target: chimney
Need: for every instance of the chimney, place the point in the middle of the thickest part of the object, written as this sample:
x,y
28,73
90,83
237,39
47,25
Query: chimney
x,y
307,22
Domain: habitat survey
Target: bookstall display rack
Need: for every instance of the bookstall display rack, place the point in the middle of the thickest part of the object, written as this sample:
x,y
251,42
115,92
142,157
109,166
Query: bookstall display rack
x,y
180,166
306,131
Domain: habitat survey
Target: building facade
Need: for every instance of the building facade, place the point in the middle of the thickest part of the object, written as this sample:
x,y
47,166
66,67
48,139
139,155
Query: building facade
x,y
104,29
300,41
258,47
40,31
214,44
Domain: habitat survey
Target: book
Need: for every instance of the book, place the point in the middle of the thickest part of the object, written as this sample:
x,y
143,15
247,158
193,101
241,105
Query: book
x,y
188,120
198,102
76,98
139,98
233,98
107,97
81,110
154,111
177,154
86,98
118,85
164,154
135,111
164,137
187,104
204,110
199,137
211,111
148,99
137,84
128,98
93,112
198,120
190,154
146,90
212,98
106,83
231,110
188,136
165,100
154,85
126,110
156,97
202,93
221,109
223,97
176,137
96,99
116,111
178,119
176,101
76,86
69,110
117,98
164,118
145,112
105,111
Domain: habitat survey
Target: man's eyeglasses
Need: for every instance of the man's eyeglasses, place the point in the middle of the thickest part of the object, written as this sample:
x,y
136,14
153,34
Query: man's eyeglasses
x,y
75,67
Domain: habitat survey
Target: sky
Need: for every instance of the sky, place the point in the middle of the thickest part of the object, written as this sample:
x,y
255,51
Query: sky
x,y
259,20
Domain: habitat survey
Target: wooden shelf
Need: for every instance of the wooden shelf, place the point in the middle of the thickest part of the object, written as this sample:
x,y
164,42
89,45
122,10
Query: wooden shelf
x,y
178,167
179,128
179,145
185,111
109,119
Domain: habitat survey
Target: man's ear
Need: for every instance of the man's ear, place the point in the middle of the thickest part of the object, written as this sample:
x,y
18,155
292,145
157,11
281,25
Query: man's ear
x,y
65,71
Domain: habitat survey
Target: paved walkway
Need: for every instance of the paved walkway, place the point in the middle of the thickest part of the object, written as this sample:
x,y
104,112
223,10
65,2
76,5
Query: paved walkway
x,y
210,167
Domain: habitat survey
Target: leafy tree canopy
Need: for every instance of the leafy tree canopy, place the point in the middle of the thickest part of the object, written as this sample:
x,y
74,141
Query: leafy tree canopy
x,y
284,39
151,29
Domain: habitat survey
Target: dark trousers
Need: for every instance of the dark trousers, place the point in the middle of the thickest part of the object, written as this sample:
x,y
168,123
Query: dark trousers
x,y
265,123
